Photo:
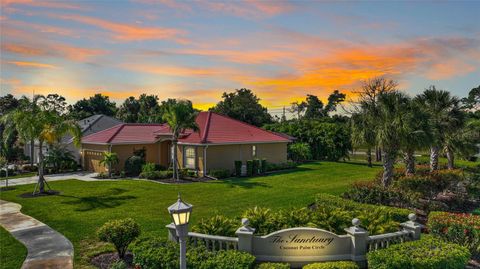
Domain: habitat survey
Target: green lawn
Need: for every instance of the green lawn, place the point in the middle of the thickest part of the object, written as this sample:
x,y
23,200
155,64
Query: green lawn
x,y
82,207
30,174
12,252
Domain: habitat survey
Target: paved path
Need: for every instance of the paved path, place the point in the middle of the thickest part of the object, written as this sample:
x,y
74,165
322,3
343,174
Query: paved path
x,y
47,249
85,176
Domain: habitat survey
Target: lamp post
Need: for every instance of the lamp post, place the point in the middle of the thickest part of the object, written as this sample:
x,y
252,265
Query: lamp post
x,y
180,212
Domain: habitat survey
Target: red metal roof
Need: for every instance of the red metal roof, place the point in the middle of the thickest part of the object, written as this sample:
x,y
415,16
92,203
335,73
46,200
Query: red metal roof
x,y
213,129
128,133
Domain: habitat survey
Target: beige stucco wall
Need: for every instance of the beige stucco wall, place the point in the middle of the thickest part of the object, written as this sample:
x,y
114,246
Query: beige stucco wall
x,y
224,156
154,153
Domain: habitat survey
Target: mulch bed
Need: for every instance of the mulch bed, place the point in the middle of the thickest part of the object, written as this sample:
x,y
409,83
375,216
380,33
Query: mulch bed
x,y
36,195
105,260
185,180
7,188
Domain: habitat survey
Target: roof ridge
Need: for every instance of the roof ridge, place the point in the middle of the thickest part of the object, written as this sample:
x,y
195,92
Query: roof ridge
x,y
115,134
207,127
114,126
251,125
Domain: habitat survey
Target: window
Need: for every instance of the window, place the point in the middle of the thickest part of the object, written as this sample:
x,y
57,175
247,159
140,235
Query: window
x,y
189,157
254,151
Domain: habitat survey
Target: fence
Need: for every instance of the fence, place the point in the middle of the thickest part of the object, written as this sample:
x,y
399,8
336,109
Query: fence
x,y
299,246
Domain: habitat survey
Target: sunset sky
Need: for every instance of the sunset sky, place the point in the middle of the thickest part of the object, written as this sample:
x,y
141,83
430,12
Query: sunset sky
x,y
199,49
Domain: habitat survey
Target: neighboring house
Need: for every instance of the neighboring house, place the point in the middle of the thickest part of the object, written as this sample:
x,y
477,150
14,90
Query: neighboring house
x,y
219,142
88,126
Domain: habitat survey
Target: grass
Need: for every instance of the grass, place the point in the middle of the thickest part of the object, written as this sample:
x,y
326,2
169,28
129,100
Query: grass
x,y
83,207
29,174
12,252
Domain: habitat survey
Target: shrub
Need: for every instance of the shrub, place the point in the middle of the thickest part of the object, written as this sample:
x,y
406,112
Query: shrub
x,y
462,229
263,167
371,193
120,233
299,152
280,166
157,174
238,168
217,225
249,168
256,164
156,252
273,265
327,200
229,259
332,265
148,167
118,265
160,253
219,173
428,252
133,165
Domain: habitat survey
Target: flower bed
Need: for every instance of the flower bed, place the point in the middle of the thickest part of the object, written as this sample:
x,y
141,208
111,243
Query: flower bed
x,y
429,252
462,229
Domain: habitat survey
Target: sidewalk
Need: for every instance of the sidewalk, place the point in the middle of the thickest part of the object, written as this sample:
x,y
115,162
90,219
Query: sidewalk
x,y
46,247
85,176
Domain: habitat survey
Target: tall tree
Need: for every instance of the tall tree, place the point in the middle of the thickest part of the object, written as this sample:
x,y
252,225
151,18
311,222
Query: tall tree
x,y
417,135
243,105
445,116
180,116
334,99
298,108
97,104
363,132
368,95
315,109
391,127
44,126
54,103
7,104
128,111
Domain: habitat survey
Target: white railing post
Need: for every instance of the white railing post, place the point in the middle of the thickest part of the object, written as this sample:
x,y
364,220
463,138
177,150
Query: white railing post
x,y
359,238
172,232
245,236
412,226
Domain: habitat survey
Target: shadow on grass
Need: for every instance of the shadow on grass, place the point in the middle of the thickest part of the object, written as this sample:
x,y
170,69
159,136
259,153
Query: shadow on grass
x,y
110,199
361,163
249,183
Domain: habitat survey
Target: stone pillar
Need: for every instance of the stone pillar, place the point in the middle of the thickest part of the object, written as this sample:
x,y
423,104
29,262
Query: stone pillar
x,y
412,226
172,232
359,238
245,236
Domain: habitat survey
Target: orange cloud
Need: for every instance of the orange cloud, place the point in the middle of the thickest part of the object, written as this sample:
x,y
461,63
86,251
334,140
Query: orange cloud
x,y
44,4
31,64
56,50
176,70
251,8
126,32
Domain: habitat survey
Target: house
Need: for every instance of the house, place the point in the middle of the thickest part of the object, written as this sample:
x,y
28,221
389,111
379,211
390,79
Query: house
x,y
88,126
218,143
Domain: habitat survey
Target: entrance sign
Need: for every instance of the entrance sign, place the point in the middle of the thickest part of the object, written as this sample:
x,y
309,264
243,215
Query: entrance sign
x,y
301,245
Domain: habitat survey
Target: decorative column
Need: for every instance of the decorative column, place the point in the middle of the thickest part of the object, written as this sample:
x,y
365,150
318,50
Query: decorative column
x,y
245,236
172,232
412,226
359,238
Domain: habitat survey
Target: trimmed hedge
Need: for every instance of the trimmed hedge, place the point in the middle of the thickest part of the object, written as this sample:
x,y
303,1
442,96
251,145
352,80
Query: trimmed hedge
x,y
332,265
156,174
238,168
462,229
263,167
273,265
280,166
249,168
159,253
133,165
426,253
219,173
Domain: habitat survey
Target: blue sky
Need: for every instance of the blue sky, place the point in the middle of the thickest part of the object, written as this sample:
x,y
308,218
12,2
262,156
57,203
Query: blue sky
x,y
199,49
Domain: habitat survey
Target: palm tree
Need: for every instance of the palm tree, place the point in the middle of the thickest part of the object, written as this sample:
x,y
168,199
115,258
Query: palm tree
x,y
444,113
109,159
391,127
363,132
180,117
417,135
45,127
